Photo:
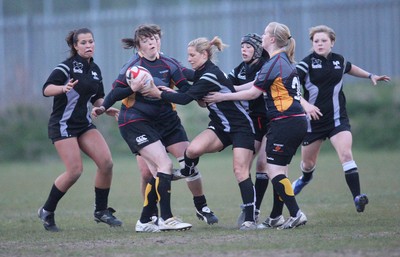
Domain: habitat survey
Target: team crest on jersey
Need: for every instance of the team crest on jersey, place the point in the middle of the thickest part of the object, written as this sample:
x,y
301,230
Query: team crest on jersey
x,y
242,73
95,76
337,65
316,63
78,67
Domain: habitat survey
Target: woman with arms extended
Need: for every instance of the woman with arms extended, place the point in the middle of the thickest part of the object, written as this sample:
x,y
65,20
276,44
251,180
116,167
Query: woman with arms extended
x,y
230,124
321,74
278,81
75,83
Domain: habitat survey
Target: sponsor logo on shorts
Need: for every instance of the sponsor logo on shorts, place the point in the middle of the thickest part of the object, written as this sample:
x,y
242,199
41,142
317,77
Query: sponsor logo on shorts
x,y
278,148
141,139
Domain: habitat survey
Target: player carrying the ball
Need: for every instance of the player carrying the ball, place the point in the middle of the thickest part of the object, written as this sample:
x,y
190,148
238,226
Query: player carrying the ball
x,y
150,126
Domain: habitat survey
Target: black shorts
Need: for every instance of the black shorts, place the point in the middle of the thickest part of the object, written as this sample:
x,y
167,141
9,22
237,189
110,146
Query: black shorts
x,y
311,137
260,127
171,130
284,137
55,134
139,134
236,139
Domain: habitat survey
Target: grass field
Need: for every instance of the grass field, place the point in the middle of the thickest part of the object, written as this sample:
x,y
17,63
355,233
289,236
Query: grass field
x,y
334,227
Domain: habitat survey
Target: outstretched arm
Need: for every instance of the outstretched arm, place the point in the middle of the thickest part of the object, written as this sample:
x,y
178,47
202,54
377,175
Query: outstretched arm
x,y
358,72
246,86
116,94
114,112
249,94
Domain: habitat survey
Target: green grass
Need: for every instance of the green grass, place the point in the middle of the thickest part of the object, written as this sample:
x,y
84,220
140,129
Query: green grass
x,y
334,227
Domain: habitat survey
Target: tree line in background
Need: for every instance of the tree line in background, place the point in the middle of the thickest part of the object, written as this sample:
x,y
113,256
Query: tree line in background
x,y
374,116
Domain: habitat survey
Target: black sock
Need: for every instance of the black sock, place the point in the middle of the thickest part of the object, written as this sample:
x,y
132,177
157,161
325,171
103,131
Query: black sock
x,y
353,181
261,186
150,202
101,198
247,192
284,189
199,202
307,176
164,192
190,164
277,207
53,199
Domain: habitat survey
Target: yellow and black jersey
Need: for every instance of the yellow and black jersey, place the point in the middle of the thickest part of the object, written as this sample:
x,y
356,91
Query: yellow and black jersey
x,y
279,81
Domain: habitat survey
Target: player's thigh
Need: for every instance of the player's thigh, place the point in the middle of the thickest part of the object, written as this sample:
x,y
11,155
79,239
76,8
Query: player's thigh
x,y
94,145
206,142
342,142
156,155
309,153
178,149
69,152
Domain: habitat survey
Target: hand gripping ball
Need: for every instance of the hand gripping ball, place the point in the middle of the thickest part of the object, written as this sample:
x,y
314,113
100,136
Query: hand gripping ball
x,y
135,74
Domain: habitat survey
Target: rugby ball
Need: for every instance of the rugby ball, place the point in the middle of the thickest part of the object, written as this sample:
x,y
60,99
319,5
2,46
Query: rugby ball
x,y
136,73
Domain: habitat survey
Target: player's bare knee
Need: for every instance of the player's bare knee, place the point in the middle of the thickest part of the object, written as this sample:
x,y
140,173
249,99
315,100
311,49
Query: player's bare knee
x,y
307,166
106,166
193,151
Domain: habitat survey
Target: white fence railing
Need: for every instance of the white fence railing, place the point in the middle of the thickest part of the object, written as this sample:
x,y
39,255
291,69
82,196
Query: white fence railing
x,y
30,46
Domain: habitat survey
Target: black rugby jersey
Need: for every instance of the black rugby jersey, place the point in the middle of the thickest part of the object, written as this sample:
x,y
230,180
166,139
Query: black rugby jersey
x,y
228,116
71,110
279,81
322,80
135,106
244,73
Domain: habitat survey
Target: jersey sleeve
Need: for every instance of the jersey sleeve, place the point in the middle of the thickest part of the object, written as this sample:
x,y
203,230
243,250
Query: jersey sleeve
x,y
59,76
178,79
302,70
263,79
119,91
178,98
348,67
195,92
188,73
